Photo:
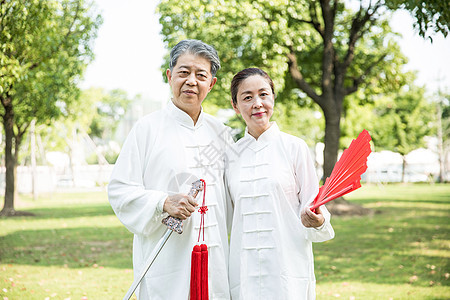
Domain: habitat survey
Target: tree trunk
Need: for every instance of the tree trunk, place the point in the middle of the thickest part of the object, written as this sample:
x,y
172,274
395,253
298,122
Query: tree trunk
x,y
332,136
10,160
11,142
17,142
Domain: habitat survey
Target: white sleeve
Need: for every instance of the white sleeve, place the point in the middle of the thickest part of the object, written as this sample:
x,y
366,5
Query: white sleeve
x,y
228,199
229,143
139,209
324,232
308,183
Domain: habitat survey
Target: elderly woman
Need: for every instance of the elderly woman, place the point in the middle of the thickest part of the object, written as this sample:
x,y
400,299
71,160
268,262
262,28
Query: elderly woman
x,y
272,182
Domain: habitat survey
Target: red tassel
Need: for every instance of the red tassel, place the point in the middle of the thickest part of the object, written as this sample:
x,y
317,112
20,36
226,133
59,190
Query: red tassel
x,y
199,262
196,273
204,277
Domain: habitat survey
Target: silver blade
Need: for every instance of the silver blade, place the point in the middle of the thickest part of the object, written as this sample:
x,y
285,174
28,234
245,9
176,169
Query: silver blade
x,y
150,261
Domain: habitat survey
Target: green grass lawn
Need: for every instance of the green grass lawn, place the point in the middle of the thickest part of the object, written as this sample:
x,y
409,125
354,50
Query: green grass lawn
x,y
401,252
75,248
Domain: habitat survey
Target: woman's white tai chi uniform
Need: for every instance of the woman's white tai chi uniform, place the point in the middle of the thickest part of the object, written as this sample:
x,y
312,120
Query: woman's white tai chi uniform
x,y
271,180
163,154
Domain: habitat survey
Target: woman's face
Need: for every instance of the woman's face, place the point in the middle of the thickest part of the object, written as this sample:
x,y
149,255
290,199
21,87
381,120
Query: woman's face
x,y
255,102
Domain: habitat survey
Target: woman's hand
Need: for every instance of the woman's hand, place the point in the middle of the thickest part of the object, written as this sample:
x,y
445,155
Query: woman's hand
x,y
310,219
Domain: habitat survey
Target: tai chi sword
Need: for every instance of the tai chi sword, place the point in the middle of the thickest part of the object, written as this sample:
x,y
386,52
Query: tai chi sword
x,y
173,224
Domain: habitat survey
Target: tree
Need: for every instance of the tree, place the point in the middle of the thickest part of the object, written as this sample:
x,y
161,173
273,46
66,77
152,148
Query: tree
x,y
403,122
321,48
110,108
443,131
45,48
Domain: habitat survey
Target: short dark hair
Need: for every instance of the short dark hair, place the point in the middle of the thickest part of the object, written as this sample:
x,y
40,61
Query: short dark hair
x,y
244,74
195,47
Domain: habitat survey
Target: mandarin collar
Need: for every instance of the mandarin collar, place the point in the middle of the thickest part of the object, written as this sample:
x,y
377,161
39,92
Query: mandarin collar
x,y
183,118
264,139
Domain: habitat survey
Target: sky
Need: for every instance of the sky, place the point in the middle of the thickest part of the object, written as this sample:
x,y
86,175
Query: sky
x,y
129,51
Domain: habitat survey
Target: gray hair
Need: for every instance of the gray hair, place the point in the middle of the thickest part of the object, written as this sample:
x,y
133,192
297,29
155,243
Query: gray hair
x,y
195,47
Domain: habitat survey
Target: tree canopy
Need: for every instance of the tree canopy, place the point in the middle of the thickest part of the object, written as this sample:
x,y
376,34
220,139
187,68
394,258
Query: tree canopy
x,y
432,16
321,50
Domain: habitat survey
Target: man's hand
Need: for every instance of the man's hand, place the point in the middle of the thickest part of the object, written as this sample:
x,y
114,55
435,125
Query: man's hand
x,y
180,206
310,219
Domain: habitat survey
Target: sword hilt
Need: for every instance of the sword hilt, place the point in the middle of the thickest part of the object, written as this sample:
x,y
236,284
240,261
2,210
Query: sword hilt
x,y
176,224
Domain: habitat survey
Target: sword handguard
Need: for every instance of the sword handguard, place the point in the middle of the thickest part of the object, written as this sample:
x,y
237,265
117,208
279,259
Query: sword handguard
x,y
176,224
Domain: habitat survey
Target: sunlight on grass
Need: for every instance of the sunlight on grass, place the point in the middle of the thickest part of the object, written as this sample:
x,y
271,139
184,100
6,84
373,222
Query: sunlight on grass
x,y
76,248
401,252
373,291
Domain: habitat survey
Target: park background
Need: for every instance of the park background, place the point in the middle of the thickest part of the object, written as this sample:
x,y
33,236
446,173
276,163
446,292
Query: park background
x,y
63,165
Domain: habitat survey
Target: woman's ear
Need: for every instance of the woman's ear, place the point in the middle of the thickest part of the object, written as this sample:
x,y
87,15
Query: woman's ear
x,y
236,110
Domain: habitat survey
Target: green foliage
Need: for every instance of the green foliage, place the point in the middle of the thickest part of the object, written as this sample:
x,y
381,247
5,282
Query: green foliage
x,y
110,109
262,33
404,120
360,116
45,48
432,16
98,116
303,122
444,103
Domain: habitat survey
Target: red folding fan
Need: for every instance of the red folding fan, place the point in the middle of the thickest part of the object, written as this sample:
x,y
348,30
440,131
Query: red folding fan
x,y
346,174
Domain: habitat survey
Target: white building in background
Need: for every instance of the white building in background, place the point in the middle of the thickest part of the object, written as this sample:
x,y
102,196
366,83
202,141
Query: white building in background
x,y
422,165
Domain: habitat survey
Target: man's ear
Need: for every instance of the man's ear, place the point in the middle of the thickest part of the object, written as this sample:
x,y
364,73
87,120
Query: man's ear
x,y
169,76
213,82
236,110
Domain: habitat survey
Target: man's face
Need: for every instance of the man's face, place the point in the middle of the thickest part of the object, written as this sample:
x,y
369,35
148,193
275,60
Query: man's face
x,y
190,80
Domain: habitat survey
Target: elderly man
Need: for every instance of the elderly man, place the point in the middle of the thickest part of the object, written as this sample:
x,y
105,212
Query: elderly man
x,y
164,153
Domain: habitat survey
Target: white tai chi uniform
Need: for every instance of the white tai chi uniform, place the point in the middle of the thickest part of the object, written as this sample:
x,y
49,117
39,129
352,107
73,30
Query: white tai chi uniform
x,y
163,154
271,180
